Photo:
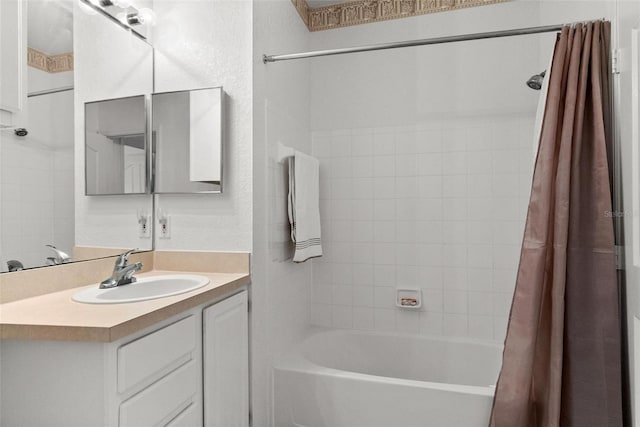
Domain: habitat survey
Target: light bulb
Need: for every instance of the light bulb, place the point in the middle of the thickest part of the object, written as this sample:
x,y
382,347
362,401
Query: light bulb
x,y
122,17
147,16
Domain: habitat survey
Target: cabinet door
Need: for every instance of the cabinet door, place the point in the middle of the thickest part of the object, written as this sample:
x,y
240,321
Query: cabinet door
x,y
13,54
226,363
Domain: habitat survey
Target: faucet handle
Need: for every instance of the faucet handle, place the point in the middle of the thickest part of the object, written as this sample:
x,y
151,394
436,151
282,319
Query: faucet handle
x,y
121,260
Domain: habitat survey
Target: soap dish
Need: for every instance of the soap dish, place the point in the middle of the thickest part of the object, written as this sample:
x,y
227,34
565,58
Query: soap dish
x,y
408,298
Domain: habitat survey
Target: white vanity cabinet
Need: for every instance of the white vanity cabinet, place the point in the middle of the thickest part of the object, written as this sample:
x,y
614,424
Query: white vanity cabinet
x,y
151,378
226,355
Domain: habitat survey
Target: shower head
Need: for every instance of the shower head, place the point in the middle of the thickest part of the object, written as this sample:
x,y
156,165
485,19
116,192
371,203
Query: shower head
x,y
535,82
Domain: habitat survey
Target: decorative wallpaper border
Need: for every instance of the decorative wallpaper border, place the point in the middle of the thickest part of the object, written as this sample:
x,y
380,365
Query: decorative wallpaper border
x,y
50,63
365,11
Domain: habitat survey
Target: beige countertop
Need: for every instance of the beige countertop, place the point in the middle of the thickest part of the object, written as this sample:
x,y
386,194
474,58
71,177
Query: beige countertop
x,y
55,316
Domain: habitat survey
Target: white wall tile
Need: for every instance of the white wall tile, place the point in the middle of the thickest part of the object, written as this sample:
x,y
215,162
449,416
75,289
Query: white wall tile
x,y
480,163
384,231
431,323
383,144
321,314
340,146
455,278
480,303
362,166
361,143
454,163
406,165
504,280
480,279
433,300
454,232
481,327
342,295
455,302
363,296
430,277
363,318
454,186
480,185
441,210
384,210
406,143
384,275
362,210
500,328
455,324
430,164
429,186
362,253
502,303
362,274
341,316
408,321
384,166
384,319
385,187
384,297
322,294
363,188
479,256
407,187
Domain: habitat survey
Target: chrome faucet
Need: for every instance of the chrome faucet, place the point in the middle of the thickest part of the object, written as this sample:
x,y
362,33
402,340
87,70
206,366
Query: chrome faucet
x,y
122,272
59,258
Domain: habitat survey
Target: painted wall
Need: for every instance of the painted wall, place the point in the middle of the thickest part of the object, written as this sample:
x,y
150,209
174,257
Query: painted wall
x,y
109,63
281,289
205,44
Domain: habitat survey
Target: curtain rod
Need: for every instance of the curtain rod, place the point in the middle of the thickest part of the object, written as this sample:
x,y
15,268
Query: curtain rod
x,y
49,91
412,43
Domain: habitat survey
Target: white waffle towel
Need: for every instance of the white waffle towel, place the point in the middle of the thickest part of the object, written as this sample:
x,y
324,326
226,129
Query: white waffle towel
x,y
304,206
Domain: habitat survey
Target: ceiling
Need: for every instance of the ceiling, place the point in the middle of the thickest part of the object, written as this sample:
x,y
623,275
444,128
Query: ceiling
x,y
50,26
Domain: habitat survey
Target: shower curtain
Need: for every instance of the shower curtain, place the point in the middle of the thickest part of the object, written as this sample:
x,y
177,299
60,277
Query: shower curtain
x,y
561,362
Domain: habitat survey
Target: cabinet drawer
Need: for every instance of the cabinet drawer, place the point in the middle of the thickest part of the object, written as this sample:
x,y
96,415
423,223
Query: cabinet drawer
x,y
162,401
149,357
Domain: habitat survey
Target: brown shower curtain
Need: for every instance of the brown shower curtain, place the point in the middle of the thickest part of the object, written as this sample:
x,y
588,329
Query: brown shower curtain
x,y
561,362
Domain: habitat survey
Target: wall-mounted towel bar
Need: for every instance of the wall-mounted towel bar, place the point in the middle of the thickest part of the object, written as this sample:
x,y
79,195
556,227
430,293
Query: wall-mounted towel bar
x,y
284,152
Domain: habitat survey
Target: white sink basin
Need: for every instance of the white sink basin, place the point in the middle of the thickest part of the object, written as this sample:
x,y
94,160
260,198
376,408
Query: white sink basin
x,y
145,288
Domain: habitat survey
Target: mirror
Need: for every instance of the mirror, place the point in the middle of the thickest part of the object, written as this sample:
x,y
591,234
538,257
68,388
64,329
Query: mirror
x,y
115,147
187,141
68,54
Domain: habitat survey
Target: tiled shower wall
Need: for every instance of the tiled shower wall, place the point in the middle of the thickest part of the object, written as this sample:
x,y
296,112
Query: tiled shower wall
x,y
437,206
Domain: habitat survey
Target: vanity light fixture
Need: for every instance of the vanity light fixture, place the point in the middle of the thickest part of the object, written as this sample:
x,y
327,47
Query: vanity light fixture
x,y
129,15
139,17
124,4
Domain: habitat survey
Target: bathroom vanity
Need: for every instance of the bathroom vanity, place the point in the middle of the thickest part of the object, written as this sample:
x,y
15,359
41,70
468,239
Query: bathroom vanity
x,y
181,360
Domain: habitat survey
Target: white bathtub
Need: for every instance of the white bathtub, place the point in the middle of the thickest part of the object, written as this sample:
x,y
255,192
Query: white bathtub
x,y
339,378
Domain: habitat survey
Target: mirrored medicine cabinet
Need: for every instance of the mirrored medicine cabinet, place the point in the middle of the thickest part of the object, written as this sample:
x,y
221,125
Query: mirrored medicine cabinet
x,y
181,155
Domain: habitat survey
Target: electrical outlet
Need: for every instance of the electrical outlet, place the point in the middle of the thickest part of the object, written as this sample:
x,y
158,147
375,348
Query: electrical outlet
x,y
165,227
144,226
